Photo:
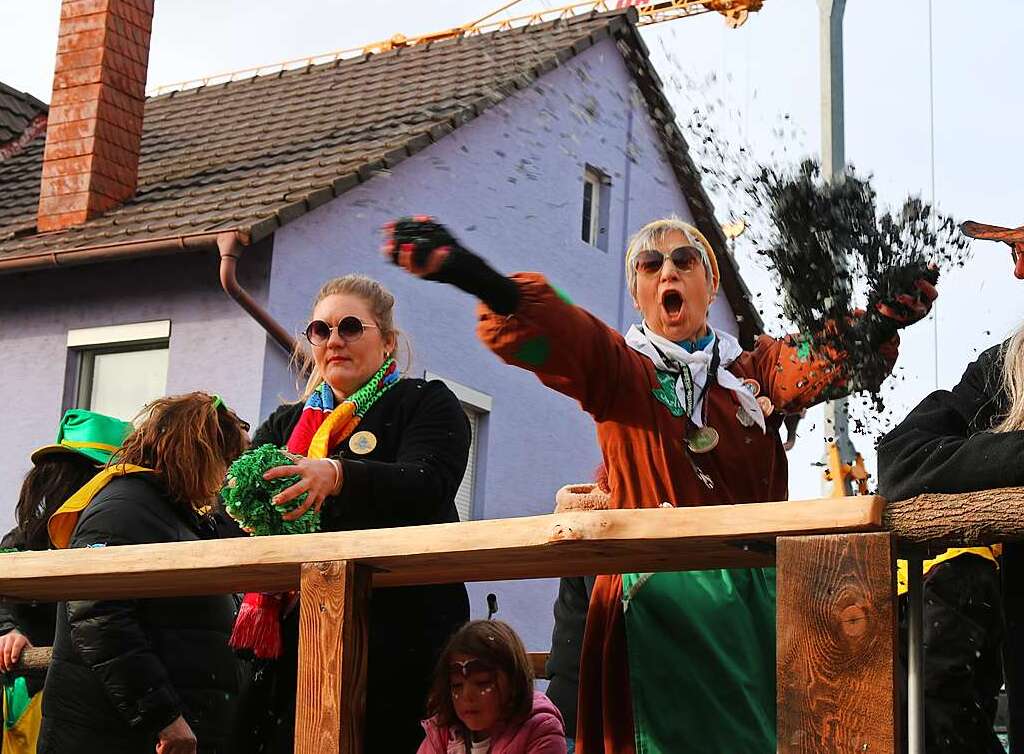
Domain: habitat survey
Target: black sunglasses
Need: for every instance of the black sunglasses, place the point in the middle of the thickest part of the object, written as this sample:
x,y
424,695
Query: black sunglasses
x,y
349,329
685,258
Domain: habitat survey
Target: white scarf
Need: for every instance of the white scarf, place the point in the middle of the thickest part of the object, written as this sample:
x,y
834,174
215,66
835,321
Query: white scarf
x,y
672,358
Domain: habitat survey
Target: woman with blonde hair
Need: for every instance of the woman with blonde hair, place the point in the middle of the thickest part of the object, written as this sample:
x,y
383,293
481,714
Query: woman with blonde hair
x,y
962,440
134,676
684,416
397,459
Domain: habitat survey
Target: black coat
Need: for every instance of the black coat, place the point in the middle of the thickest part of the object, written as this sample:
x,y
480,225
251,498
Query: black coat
x,y
409,478
122,670
945,445
563,666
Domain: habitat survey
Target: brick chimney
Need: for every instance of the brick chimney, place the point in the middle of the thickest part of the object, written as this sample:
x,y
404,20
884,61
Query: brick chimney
x,y
91,162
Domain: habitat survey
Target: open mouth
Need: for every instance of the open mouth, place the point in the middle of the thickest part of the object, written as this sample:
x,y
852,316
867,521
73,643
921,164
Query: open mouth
x,y
672,302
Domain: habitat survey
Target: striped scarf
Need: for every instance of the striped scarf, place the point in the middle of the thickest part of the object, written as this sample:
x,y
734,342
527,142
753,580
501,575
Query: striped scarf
x,y
323,427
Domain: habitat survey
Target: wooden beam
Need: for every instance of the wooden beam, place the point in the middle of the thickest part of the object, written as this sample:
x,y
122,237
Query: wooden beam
x,y
969,518
837,644
578,543
330,702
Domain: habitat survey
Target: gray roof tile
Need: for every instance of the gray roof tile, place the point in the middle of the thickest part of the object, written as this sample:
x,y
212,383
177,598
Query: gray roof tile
x,y
17,111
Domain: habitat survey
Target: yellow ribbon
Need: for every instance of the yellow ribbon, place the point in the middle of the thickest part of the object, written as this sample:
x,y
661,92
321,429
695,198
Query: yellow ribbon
x,y
62,523
902,575
91,445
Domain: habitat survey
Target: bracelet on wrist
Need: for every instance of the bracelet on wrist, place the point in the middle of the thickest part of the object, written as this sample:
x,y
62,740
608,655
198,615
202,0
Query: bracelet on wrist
x,y
336,465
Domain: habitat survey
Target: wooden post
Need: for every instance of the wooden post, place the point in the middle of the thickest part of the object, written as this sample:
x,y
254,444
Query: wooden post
x,y
330,700
837,644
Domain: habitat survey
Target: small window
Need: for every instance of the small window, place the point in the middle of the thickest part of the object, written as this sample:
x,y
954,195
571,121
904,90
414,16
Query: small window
x,y
464,497
118,370
596,195
477,406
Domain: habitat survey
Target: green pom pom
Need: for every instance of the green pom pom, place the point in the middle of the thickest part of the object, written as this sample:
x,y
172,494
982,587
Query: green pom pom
x,y
248,496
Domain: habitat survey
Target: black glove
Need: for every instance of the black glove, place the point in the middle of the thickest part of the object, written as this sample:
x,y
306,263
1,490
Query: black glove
x,y
904,297
428,249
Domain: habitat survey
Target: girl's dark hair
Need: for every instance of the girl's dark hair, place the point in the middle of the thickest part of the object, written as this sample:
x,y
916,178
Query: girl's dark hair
x,y
190,441
52,480
495,643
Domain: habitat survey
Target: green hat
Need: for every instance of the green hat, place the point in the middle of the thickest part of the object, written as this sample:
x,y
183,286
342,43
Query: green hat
x,y
95,436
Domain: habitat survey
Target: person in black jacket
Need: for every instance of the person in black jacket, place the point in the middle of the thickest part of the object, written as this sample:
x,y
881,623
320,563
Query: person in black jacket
x,y
134,676
85,441
967,439
401,467
50,482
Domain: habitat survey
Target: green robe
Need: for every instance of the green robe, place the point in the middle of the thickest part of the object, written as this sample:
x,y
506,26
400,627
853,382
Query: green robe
x,y
701,648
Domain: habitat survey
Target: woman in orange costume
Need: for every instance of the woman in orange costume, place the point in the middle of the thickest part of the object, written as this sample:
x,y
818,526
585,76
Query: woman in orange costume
x,y
671,662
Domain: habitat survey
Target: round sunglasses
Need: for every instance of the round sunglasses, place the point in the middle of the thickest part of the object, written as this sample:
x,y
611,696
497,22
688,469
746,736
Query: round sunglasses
x,y
349,329
685,258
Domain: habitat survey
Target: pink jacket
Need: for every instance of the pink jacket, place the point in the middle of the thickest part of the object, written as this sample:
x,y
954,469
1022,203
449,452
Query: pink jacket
x,y
543,732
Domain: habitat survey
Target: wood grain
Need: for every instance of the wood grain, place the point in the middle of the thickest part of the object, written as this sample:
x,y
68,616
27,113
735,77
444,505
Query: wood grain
x,y
836,644
330,702
970,518
578,543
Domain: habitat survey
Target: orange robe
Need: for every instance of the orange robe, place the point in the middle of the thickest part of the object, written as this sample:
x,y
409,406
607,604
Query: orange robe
x,y
575,353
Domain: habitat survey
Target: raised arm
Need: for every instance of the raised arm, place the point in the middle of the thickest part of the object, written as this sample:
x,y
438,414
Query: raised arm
x,y
796,374
523,319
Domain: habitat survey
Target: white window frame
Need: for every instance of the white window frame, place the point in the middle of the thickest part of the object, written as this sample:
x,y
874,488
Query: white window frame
x,y
117,335
477,406
596,187
84,344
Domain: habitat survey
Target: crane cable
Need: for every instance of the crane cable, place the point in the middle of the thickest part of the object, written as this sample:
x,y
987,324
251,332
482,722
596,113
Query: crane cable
x,y
931,134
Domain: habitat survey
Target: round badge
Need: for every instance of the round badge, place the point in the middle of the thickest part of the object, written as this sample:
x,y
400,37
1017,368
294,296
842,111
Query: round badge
x,y
363,442
767,407
703,440
753,386
743,417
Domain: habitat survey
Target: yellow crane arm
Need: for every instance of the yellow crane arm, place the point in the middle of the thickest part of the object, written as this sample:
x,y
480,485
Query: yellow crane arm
x,y
734,11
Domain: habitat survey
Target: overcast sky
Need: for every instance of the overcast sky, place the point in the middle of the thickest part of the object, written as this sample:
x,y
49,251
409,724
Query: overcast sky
x,y
764,70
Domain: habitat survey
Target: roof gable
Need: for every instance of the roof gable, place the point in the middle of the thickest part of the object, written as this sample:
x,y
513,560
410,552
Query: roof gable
x,y
254,154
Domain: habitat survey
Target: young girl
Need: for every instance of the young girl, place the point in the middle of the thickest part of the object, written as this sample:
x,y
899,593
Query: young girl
x,y
482,700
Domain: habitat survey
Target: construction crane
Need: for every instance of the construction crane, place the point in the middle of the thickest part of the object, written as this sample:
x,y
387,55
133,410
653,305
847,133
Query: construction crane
x,y
735,13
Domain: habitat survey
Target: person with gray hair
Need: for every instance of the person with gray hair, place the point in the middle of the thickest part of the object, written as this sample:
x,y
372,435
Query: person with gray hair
x,y
962,440
685,416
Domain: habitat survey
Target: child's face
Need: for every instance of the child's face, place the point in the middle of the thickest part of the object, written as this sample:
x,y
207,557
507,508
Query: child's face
x,y
478,693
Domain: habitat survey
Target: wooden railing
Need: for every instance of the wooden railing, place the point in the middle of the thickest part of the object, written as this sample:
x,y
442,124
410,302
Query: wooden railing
x,y
836,594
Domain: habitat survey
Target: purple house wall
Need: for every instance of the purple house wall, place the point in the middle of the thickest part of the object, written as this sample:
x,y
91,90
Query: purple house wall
x,y
214,345
509,183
